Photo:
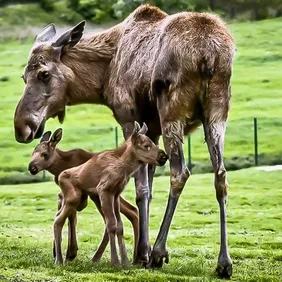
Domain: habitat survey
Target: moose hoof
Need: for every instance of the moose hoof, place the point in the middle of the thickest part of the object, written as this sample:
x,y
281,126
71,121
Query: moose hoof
x,y
157,258
58,261
142,256
224,272
71,256
141,259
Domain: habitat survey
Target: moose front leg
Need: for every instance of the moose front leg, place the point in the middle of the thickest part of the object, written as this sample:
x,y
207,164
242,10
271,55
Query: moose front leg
x,y
179,174
142,202
214,134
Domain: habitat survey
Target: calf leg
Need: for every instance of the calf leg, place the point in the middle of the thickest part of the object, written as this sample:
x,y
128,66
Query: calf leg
x,y
107,202
121,243
105,240
131,213
60,204
67,210
72,241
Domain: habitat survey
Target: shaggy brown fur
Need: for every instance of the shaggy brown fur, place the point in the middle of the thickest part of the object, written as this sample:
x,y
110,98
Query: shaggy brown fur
x,y
171,71
47,156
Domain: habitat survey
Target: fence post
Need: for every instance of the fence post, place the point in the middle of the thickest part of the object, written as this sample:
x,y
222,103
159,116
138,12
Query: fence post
x,y
44,175
116,136
256,141
189,154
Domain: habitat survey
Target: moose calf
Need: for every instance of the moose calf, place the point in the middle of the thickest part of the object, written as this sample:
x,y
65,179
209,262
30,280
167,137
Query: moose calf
x,y
106,174
47,156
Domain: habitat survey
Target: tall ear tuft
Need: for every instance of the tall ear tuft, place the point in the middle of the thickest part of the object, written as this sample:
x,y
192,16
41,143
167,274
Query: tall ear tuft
x,y
46,34
56,137
70,37
45,136
144,129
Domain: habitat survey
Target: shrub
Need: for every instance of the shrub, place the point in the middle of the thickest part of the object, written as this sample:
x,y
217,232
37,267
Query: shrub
x,y
47,5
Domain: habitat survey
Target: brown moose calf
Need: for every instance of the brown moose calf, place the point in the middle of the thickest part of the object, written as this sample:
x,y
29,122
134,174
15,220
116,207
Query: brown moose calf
x,y
106,174
46,156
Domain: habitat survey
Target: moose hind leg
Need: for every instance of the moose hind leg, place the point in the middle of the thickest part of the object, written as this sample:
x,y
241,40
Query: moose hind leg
x,y
179,173
214,134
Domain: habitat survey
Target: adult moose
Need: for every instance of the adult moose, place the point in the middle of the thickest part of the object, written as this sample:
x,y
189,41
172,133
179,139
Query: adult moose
x,y
170,71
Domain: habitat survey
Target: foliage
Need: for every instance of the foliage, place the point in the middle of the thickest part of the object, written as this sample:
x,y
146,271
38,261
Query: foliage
x,y
47,5
254,232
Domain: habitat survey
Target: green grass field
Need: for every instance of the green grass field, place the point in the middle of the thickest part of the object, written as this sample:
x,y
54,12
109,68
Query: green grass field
x,y
256,92
254,228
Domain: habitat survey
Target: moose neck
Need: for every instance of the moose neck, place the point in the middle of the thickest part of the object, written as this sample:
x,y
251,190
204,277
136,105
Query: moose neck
x,y
89,61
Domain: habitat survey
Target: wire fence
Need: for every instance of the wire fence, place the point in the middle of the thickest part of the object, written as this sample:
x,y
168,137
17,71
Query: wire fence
x,y
248,142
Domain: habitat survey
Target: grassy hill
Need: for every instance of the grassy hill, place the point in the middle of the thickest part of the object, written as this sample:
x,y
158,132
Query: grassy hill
x,y
256,92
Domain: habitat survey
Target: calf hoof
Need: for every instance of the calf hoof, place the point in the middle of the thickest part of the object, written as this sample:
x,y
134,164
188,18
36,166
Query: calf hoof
x,y
157,258
224,272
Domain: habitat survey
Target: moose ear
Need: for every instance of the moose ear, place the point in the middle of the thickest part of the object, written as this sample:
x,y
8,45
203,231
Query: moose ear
x,y
56,137
70,37
144,129
45,136
46,34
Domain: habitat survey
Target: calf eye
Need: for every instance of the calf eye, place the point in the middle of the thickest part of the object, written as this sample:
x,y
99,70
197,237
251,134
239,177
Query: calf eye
x,y
148,147
44,156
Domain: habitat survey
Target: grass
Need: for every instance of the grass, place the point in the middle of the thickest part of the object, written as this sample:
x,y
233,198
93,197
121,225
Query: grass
x,y
256,85
254,228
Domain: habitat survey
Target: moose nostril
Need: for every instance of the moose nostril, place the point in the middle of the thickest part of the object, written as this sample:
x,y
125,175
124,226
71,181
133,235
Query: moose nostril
x,y
32,169
29,137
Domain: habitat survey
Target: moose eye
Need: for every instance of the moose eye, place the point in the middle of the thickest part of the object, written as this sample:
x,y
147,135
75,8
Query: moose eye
x,y
44,156
44,76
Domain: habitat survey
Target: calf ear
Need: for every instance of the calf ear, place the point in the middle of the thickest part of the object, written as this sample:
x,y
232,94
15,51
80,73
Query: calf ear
x,y
136,127
46,34
45,136
144,129
70,37
56,137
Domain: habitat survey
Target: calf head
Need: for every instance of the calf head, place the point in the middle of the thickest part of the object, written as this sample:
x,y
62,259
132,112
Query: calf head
x,y
144,148
43,155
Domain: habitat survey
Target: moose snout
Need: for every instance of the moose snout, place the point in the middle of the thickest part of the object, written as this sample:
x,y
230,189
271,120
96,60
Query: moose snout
x,y
33,169
23,134
162,158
